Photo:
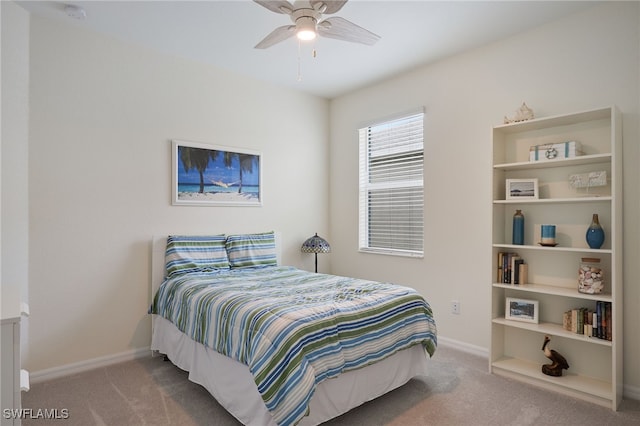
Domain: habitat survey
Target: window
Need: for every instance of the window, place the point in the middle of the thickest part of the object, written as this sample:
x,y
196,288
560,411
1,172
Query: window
x,y
391,197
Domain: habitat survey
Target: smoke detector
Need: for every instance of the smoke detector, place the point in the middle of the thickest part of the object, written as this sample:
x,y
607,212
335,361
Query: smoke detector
x,y
75,12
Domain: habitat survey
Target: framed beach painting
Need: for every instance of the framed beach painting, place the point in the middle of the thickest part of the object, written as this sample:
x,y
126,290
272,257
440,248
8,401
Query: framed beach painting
x,y
210,175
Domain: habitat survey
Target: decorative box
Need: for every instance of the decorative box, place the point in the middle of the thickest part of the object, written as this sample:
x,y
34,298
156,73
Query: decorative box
x,y
555,151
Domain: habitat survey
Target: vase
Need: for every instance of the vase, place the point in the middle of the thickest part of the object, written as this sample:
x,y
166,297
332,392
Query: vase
x,y
595,233
548,235
518,228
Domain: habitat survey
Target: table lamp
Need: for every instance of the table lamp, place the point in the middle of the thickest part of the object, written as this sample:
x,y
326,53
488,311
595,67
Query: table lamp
x,y
316,245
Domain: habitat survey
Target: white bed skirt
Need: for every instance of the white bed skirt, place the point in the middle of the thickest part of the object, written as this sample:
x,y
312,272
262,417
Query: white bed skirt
x,y
232,385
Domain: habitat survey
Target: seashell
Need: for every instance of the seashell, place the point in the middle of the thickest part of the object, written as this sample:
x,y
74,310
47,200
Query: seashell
x,y
522,114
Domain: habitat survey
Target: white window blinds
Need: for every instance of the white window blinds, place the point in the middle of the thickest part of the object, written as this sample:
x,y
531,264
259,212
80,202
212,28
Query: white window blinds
x,y
391,201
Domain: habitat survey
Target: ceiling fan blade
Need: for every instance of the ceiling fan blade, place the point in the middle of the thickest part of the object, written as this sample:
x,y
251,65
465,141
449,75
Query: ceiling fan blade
x,y
341,29
277,6
330,6
276,36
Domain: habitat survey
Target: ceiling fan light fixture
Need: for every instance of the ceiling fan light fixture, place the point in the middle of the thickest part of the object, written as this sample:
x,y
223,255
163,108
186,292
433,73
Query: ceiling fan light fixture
x,y
309,22
306,28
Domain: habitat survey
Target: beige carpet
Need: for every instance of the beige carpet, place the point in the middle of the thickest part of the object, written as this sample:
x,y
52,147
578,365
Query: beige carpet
x,y
457,391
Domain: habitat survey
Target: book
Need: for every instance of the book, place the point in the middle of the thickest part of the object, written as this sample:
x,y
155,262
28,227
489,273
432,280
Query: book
x,y
566,320
598,323
523,270
603,320
580,325
609,328
505,267
583,321
517,279
513,268
588,317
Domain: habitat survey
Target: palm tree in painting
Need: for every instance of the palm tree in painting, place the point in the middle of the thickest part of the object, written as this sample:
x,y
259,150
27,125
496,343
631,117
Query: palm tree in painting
x,y
246,162
197,158
246,165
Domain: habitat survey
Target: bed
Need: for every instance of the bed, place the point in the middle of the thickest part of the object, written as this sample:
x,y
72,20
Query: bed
x,y
261,338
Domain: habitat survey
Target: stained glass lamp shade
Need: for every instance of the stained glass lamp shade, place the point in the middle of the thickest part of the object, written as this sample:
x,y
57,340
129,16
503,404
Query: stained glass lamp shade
x,y
316,245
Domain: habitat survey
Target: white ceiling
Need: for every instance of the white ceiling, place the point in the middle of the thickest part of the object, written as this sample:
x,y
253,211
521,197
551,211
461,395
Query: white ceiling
x,y
223,33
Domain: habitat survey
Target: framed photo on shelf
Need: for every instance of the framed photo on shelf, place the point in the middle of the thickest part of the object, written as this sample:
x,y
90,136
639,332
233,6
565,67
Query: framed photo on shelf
x,y
521,310
518,189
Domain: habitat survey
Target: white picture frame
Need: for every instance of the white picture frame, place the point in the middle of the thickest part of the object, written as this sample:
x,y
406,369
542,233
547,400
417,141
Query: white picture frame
x,y
215,175
521,310
522,189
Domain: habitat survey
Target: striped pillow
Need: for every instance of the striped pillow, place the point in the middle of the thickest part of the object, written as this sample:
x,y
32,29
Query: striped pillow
x,y
195,254
252,250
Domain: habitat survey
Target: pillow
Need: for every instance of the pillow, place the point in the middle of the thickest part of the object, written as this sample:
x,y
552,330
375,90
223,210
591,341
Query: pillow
x,y
186,254
249,250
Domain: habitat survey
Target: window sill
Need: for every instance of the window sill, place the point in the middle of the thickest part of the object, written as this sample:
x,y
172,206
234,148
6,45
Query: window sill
x,y
389,252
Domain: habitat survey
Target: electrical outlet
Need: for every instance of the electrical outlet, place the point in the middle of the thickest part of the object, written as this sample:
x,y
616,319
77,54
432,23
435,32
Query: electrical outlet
x,y
455,307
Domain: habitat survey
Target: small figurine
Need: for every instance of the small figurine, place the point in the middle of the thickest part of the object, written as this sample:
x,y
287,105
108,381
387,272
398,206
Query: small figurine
x,y
523,114
558,363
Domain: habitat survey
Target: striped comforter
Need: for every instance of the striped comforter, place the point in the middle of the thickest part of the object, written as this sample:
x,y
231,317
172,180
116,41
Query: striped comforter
x,y
293,328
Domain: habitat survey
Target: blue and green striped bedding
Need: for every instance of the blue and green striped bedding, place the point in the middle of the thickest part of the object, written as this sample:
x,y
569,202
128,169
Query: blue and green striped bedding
x,y
293,328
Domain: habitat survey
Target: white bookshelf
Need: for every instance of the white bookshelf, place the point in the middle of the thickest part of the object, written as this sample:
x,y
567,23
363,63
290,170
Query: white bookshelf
x,y
14,379
595,372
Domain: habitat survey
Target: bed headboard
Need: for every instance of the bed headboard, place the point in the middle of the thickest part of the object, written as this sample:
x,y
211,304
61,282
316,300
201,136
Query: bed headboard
x,y
158,247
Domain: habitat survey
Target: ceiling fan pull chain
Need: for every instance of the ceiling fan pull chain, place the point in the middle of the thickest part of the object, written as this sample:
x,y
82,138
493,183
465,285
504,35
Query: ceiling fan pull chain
x,y
299,62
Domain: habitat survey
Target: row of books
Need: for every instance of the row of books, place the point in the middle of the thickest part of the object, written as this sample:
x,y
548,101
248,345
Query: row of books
x,y
511,268
589,322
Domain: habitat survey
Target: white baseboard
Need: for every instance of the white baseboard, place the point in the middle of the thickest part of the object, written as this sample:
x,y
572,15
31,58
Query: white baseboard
x,y
89,364
631,392
464,347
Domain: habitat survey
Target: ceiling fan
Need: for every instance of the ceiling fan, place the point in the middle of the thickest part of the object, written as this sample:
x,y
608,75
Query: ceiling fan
x,y
307,17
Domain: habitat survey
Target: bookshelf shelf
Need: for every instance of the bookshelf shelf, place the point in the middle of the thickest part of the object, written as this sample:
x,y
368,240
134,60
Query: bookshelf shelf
x,y
552,329
578,385
557,200
584,250
595,372
575,161
555,291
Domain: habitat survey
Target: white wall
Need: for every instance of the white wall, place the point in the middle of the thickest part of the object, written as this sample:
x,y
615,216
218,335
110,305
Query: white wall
x,y
102,116
585,61
14,152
